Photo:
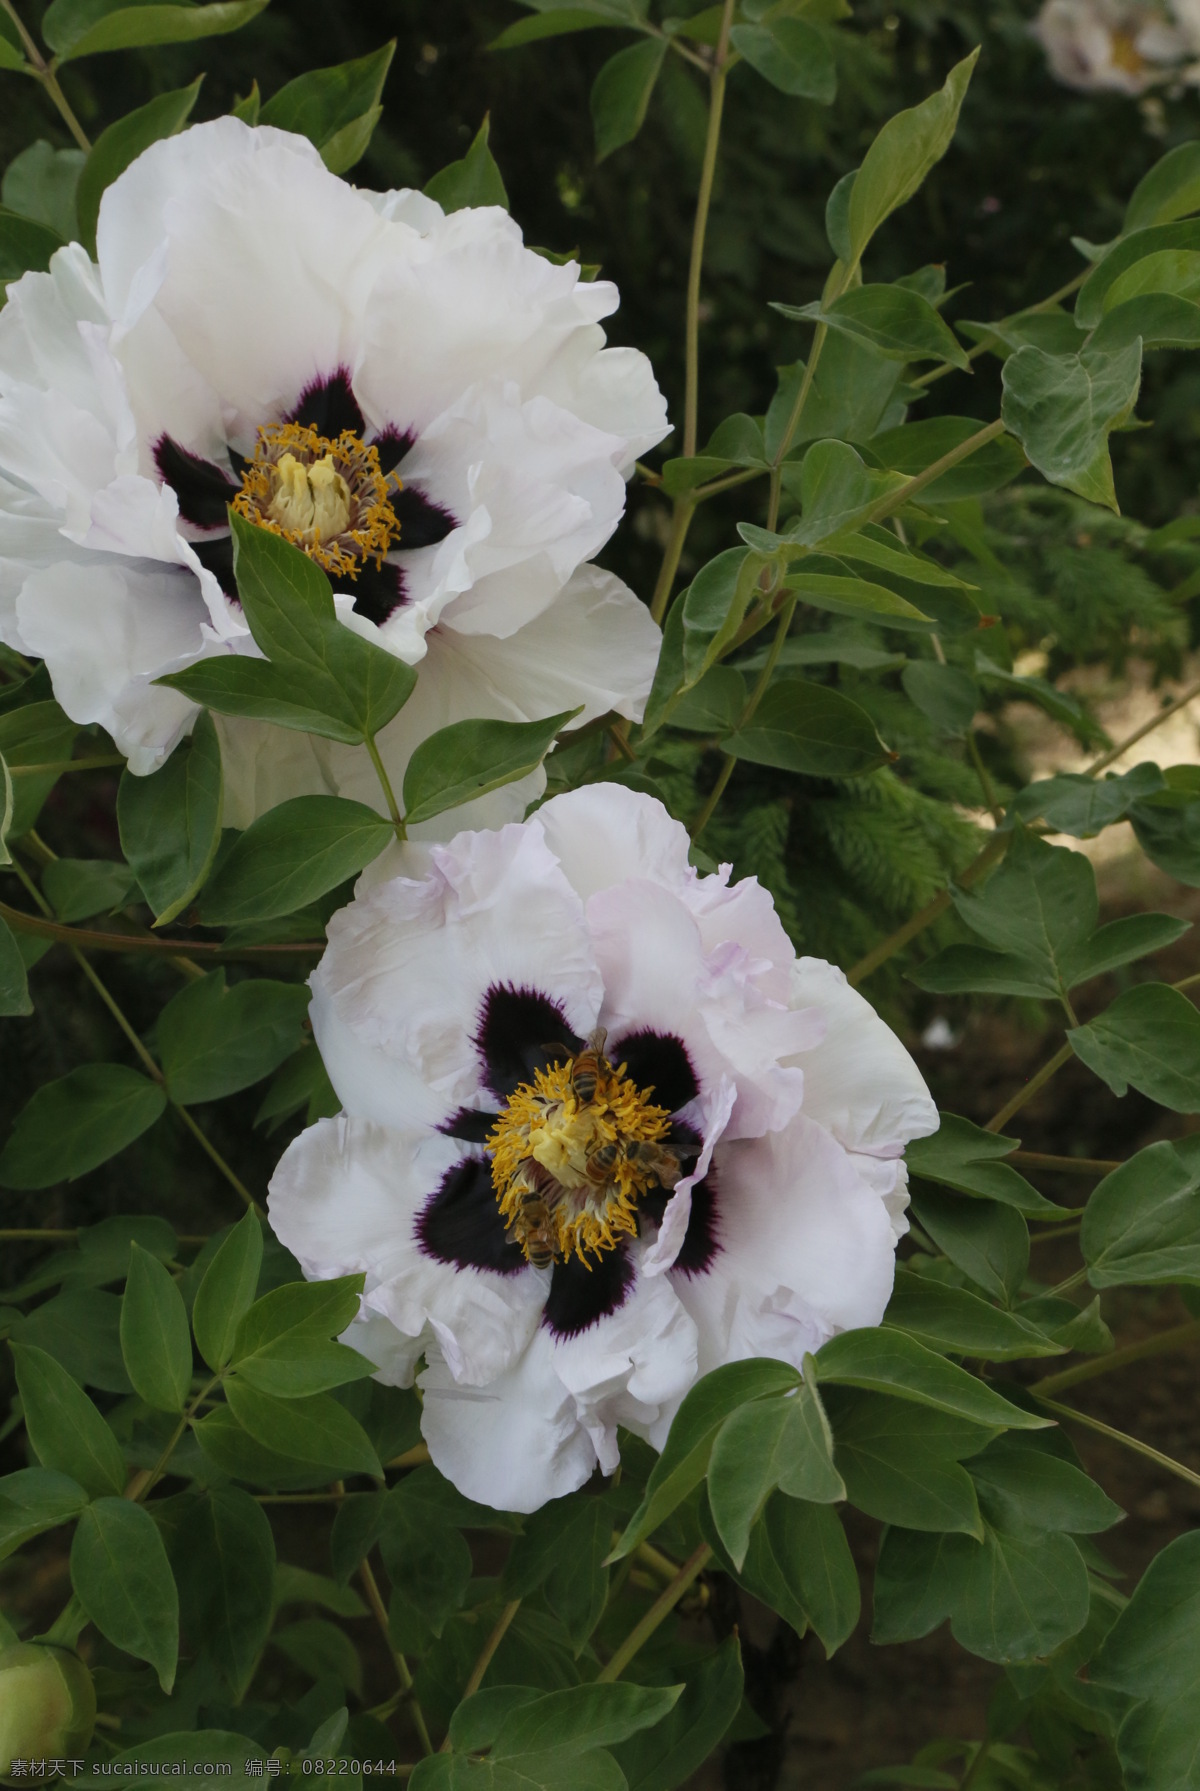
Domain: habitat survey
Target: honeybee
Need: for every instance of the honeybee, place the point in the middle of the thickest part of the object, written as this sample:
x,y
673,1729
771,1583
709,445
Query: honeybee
x,y
602,1162
585,1071
532,1225
657,1159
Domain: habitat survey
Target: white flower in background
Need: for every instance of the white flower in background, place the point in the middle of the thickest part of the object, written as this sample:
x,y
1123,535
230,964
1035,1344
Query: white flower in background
x,y
603,1131
420,402
1119,46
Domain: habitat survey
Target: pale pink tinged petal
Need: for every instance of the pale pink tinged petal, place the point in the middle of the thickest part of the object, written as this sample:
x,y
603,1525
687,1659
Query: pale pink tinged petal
x,y
744,913
860,1084
595,646
514,1444
604,834
627,1367
409,965
346,1199
710,1113
657,975
105,631
806,1249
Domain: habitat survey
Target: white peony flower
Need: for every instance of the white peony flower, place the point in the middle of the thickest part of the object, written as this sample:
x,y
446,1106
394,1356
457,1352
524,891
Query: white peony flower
x,y
1117,46
603,1132
420,402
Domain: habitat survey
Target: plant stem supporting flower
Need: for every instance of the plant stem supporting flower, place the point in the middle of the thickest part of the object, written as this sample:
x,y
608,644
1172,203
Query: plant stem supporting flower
x,y
658,1612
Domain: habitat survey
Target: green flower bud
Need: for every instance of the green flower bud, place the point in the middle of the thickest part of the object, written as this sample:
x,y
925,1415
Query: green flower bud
x,y
47,1704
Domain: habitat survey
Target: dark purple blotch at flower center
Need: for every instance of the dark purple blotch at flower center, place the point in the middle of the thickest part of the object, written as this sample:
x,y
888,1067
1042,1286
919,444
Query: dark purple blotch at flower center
x,y
327,404
520,1031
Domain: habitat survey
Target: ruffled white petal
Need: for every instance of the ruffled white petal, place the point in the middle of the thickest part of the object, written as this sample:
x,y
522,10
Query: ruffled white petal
x,y
398,996
860,1083
603,835
346,1199
107,629
806,1249
513,1444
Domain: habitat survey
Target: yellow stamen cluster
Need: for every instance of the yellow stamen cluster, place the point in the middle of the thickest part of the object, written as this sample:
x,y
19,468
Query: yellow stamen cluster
x,y
326,495
545,1124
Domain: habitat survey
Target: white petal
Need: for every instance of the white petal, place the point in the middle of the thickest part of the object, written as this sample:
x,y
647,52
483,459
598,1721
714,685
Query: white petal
x,y
398,996
106,630
263,766
345,1200
614,390
807,1249
514,1444
860,1084
604,834
629,1367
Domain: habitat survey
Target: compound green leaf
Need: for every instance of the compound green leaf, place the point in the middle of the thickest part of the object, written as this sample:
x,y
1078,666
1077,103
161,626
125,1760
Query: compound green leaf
x,y
156,1341
475,180
71,1125
469,758
1142,1223
214,1040
290,856
66,1430
1148,1039
791,54
621,94
170,822
903,153
122,1578
75,28
227,1291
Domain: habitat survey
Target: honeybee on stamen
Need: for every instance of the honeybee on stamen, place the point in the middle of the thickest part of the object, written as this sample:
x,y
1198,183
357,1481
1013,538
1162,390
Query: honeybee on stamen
x,y
586,1068
659,1161
532,1225
602,1162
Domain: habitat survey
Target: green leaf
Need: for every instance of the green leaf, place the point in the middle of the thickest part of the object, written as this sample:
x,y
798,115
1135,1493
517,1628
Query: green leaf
x,y
684,1460
315,1429
1065,709
885,1361
1167,828
322,677
290,856
563,1549
122,1578
81,887
227,1291
1061,408
239,1456
953,1321
902,155
170,822
326,102
784,1443
11,56
426,1556
556,23
844,594
987,1241
224,1564
322,1651
122,143
1026,1488
897,321
1170,190
662,1757
469,758
33,1500
81,1329
25,245
76,28
621,93
71,1125
14,982
948,696
914,447
475,180
283,1344
583,1716
65,1429
809,728
40,184
902,1466
33,733
1009,1597
791,54
1085,806
1148,1039
1152,1654
714,705
713,607
217,1748
1142,1223
800,1565
1159,319
155,1339
214,1040
1123,257
836,486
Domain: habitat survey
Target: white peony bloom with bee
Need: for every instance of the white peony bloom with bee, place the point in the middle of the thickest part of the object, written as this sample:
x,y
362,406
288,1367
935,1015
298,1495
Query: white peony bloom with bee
x,y
602,1132
421,403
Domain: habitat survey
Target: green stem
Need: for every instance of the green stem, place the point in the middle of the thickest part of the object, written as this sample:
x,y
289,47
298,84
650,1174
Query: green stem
x,y
143,1484
1147,727
44,73
752,702
973,354
976,1767
681,522
1118,1436
386,785
59,767
925,917
662,1607
713,798
374,1599
210,1150
708,169
85,939
1164,1343
499,1631
1050,1068
985,782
